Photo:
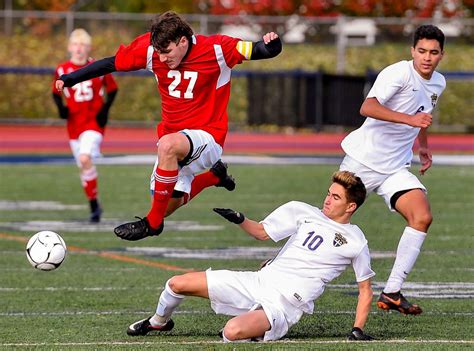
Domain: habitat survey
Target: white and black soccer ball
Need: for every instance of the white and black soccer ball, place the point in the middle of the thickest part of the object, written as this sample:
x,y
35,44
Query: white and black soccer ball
x,y
46,250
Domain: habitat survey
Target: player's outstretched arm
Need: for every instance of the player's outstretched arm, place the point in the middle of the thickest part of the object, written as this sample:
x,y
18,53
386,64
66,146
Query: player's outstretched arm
x,y
270,46
372,108
362,311
252,227
95,69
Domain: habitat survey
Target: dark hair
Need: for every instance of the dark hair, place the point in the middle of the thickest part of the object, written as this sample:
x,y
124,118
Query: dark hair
x,y
355,189
429,32
168,27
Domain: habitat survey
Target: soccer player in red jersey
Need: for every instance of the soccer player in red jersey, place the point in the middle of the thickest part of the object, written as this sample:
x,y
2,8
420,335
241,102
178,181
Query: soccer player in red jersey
x,y
193,74
86,114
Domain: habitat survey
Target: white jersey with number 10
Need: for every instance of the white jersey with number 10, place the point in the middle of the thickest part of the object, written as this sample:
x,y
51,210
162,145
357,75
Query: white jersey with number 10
x,y
317,251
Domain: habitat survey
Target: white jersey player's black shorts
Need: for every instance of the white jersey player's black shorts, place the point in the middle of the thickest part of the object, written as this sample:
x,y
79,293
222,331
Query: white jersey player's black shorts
x,y
385,185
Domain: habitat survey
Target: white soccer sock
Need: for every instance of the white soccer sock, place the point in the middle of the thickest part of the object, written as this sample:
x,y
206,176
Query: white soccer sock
x,y
168,302
407,252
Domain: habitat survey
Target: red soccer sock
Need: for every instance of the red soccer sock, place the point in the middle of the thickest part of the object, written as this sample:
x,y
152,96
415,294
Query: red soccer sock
x,y
89,182
201,182
164,185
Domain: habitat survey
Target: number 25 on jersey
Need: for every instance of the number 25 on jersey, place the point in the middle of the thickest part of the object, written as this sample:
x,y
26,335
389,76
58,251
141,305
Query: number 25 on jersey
x,y
188,77
83,91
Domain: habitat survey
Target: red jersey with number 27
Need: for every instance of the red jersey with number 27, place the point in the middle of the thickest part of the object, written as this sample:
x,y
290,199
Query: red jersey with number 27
x,y
195,94
84,99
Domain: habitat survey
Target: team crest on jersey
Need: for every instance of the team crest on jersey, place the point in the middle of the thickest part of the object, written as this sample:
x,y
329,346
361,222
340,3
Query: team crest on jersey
x,y
339,240
434,99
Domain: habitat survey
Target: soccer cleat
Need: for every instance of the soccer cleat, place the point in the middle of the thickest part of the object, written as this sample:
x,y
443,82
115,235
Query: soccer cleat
x,y
96,211
396,301
140,229
95,215
143,327
219,169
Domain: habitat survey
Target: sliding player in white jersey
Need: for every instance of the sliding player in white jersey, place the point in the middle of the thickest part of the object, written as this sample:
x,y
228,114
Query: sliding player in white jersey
x,y
398,110
266,303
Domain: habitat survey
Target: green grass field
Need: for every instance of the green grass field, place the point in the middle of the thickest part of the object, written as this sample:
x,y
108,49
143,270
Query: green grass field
x,y
91,299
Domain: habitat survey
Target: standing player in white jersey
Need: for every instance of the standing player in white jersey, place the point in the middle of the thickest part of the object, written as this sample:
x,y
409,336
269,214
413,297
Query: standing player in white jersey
x,y
398,110
266,303
193,73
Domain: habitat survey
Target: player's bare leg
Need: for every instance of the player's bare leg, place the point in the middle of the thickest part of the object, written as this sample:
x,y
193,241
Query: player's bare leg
x,y
171,149
247,326
88,174
189,284
216,176
414,207
175,203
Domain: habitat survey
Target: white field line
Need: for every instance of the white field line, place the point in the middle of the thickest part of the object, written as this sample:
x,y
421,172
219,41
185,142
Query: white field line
x,y
464,160
436,286
73,288
106,225
216,342
7,205
196,312
228,253
432,290
147,159
119,269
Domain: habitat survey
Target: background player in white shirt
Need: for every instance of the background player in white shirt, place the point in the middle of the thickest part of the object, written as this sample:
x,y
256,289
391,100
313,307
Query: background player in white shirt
x,y
321,244
398,110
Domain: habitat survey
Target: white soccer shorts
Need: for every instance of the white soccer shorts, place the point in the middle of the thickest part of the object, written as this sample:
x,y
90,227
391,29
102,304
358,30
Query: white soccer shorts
x,y
88,143
385,185
234,293
205,153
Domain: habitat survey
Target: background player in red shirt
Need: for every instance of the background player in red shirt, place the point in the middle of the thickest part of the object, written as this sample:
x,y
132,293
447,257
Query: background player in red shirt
x,y
193,74
86,114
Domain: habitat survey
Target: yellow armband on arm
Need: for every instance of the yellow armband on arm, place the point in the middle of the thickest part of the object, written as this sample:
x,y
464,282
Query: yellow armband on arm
x,y
245,48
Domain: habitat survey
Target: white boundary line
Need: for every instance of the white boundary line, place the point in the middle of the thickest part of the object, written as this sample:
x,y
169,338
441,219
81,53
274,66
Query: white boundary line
x,y
147,159
455,160
211,342
432,290
202,312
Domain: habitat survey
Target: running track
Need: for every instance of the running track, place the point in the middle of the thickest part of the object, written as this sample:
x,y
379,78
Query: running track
x,y
40,139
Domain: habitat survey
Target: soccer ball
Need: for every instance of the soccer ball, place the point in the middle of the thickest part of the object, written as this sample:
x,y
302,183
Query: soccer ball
x,y
46,250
